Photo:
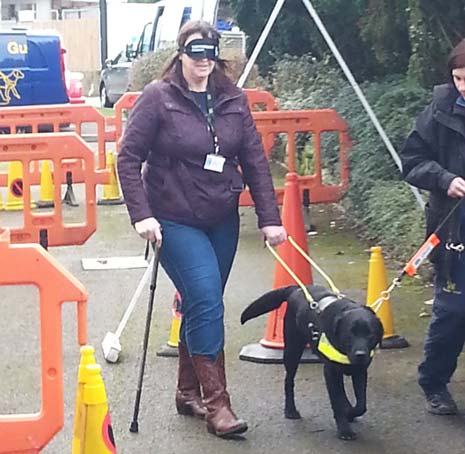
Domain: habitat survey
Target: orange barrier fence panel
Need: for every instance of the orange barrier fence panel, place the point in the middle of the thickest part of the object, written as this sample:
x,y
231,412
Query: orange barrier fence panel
x,y
272,122
32,265
59,149
315,122
57,118
125,103
258,100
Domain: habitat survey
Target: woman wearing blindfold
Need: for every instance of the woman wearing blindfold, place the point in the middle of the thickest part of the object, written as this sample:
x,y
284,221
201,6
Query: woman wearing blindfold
x,y
193,137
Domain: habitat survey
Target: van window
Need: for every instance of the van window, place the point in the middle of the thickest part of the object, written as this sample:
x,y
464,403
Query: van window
x,y
186,15
145,40
157,28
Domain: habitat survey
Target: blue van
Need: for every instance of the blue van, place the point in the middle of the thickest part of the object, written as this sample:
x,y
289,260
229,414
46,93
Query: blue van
x,y
32,68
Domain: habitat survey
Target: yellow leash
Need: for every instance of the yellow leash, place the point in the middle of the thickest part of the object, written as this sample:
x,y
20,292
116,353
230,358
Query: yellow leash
x,y
313,304
312,262
292,274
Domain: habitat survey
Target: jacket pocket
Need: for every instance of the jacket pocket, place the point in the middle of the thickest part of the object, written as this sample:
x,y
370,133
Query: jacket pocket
x,y
179,119
212,196
228,122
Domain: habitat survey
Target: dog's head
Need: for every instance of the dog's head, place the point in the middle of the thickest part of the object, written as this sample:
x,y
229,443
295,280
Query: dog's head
x,y
357,332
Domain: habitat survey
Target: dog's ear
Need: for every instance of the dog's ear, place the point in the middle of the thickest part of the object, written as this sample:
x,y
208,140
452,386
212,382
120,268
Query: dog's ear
x,y
379,330
336,327
378,326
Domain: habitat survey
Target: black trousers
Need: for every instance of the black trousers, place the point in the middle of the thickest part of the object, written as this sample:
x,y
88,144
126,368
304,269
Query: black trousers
x,y
445,338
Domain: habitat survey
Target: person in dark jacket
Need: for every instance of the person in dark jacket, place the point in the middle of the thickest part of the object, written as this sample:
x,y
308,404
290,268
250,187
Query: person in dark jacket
x,y
192,131
433,158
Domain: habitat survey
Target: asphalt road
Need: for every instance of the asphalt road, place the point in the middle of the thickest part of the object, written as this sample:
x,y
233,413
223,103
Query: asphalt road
x,y
396,422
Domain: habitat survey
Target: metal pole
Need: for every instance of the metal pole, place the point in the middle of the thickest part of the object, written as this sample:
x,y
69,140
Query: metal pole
x,y
360,94
103,32
258,47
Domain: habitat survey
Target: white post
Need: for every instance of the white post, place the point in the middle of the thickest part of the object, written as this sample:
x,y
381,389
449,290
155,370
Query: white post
x,y
260,42
359,93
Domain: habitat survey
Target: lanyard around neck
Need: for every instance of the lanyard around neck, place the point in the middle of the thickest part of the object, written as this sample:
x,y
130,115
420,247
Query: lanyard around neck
x,y
209,116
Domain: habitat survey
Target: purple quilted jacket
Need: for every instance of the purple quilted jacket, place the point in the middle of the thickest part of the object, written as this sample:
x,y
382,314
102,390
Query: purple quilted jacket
x,y
160,164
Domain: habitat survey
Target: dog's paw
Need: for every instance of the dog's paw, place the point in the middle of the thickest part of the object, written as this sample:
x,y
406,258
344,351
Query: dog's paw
x,y
346,434
292,414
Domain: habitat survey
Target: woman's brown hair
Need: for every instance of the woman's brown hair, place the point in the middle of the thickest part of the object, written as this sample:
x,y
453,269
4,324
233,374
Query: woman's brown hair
x,y
173,69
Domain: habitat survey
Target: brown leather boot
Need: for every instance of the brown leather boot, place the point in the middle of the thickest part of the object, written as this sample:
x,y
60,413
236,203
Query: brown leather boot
x,y
221,420
188,397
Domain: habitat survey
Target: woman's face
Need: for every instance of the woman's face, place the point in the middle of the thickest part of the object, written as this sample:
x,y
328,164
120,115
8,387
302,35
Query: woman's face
x,y
458,75
195,70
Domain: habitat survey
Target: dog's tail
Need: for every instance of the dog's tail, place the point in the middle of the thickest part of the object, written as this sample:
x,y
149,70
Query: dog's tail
x,y
267,302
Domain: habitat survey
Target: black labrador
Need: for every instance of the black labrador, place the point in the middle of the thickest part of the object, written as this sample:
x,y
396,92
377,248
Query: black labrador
x,y
341,332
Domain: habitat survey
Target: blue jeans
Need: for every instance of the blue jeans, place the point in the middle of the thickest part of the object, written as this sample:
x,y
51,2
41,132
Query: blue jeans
x,y
198,261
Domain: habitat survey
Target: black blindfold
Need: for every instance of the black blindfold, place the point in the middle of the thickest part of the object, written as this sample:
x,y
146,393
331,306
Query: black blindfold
x,y
199,49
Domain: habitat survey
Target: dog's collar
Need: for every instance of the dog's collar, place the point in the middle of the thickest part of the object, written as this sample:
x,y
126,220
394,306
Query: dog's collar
x,y
326,301
327,349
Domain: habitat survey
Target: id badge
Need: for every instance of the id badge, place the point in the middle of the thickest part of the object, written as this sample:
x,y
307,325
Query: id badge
x,y
214,162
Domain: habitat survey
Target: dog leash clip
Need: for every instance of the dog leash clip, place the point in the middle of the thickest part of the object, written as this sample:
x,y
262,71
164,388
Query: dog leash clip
x,y
459,247
315,334
385,294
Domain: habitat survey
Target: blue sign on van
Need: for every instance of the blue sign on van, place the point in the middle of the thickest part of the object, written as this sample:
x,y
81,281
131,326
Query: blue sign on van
x,y
31,69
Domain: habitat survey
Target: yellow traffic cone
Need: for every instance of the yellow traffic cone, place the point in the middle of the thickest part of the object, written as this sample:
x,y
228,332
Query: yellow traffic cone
x,y
111,192
87,357
377,283
98,432
171,348
46,195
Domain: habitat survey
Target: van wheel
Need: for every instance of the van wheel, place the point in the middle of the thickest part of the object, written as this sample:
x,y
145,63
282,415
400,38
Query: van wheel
x,y
104,101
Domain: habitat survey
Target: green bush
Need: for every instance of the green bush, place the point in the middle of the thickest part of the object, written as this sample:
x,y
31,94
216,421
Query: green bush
x,y
378,203
149,67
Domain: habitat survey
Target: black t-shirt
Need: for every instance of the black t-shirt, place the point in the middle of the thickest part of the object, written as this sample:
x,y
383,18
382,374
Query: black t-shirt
x,y
200,97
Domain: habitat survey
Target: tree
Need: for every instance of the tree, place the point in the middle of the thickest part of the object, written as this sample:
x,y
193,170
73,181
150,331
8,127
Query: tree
x,y
295,33
385,28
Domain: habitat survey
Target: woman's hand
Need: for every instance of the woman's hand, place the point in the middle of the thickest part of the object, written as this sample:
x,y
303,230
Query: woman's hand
x,y
149,229
274,234
456,188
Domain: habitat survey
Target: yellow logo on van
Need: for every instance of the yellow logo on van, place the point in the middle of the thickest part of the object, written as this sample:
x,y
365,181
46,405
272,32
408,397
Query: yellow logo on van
x,y
8,84
15,48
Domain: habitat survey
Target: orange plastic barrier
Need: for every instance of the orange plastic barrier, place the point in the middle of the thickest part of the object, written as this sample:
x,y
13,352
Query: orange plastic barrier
x,y
30,433
272,122
258,99
316,122
53,118
126,102
59,149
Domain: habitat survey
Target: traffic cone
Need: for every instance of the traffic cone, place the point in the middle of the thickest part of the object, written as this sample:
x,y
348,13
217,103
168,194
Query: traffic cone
x,y
87,357
98,433
171,347
111,192
269,350
46,195
377,283
14,201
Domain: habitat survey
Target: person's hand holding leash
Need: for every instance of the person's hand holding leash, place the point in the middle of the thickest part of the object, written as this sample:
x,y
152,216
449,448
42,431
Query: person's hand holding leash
x,y
274,234
456,188
149,229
